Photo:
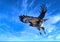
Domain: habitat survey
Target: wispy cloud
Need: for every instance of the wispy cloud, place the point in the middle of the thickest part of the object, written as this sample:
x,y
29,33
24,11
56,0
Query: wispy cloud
x,y
58,36
52,20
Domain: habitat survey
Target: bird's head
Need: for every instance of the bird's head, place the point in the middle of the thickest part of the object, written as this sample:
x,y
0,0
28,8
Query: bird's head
x,y
21,17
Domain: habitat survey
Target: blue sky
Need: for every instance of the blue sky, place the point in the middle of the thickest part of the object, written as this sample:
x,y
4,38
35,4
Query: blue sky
x,y
12,29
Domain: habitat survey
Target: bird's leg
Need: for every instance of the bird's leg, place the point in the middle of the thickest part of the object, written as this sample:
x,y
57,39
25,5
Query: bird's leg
x,y
40,33
39,30
43,28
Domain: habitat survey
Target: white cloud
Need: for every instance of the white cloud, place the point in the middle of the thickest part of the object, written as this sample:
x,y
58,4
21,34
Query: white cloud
x,y
50,37
55,19
58,36
50,29
52,20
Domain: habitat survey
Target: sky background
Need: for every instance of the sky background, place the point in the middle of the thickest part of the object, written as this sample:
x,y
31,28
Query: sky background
x,y
12,29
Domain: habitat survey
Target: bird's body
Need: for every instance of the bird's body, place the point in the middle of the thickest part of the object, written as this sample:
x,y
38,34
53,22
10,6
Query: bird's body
x,y
35,21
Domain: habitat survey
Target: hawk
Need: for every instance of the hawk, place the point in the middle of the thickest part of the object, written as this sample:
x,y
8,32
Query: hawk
x,y
35,21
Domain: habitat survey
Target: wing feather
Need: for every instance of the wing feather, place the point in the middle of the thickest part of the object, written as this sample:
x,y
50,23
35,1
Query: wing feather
x,y
29,19
43,11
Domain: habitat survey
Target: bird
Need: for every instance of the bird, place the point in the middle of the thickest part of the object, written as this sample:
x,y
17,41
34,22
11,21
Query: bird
x,y
35,21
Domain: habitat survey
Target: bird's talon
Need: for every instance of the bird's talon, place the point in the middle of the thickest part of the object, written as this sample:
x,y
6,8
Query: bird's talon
x,y
40,33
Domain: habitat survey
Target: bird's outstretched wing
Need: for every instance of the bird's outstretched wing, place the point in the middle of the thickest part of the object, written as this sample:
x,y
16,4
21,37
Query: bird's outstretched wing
x,y
26,19
43,11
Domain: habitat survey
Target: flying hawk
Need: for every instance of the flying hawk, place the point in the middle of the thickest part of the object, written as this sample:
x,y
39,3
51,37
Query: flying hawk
x,y
35,21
